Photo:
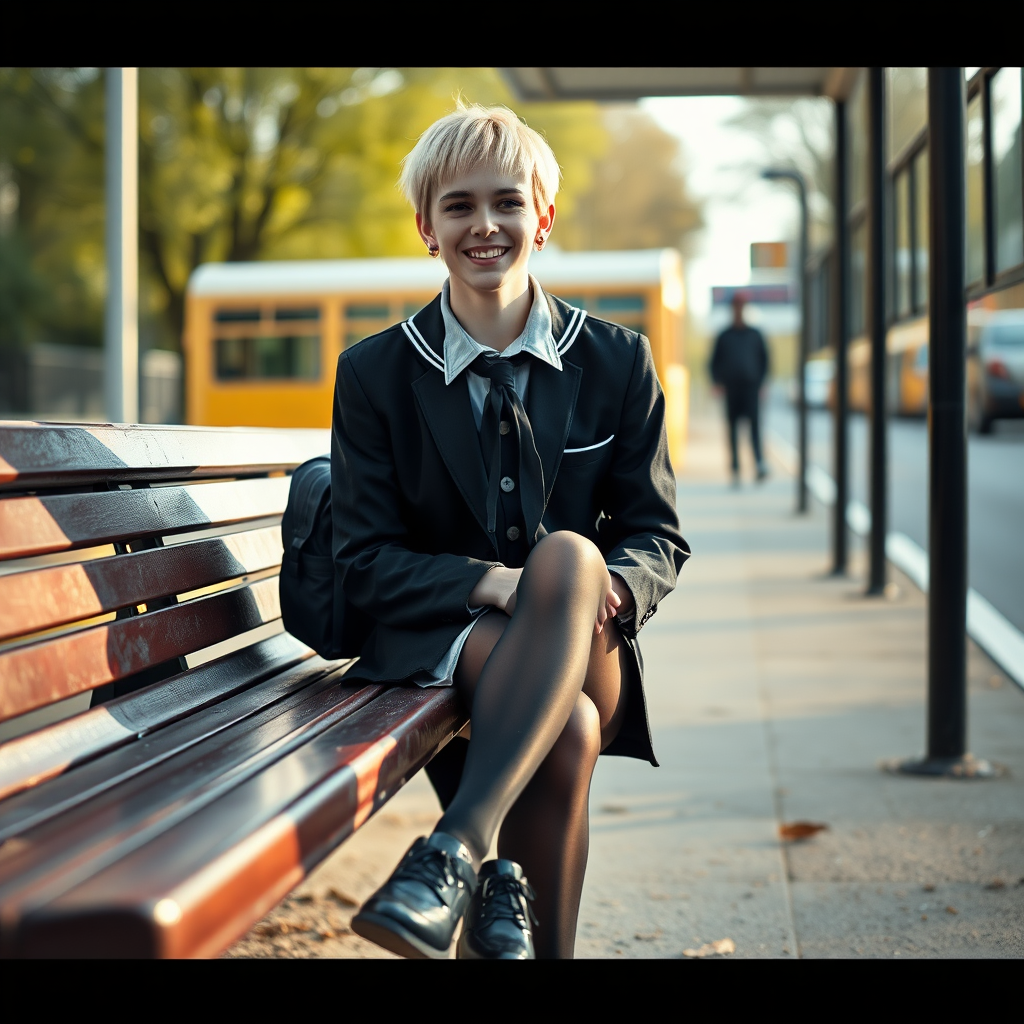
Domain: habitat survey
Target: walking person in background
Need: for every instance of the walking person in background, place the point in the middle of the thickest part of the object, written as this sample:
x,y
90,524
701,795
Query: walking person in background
x,y
739,367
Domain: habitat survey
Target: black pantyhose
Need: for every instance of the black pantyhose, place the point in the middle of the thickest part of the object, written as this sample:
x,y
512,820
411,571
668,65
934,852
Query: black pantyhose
x,y
543,690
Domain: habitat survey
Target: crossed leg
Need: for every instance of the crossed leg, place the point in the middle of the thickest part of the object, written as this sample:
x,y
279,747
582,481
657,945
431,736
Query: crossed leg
x,y
546,694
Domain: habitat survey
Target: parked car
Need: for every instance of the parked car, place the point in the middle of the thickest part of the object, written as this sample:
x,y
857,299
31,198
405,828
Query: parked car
x,y
996,378
818,374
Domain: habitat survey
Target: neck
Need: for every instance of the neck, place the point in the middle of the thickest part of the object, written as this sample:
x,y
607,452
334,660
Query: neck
x,y
496,318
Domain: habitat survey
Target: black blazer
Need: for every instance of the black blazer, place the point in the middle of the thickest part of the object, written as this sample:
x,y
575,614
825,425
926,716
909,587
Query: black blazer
x,y
409,485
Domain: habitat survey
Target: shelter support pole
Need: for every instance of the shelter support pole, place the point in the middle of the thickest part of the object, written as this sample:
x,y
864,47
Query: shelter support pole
x,y
805,342
876,327
840,333
121,327
947,440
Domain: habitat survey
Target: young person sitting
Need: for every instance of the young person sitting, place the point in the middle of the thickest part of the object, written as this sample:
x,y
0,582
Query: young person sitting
x,y
504,511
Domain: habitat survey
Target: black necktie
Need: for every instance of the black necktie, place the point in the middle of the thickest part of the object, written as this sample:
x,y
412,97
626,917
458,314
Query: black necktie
x,y
504,404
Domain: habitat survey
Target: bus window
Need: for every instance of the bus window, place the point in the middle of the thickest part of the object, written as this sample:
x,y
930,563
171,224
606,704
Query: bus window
x,y
268,357
231,316
612,304
382,312
311,313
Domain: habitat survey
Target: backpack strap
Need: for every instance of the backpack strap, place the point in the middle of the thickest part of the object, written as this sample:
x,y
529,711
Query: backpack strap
x,y
307,513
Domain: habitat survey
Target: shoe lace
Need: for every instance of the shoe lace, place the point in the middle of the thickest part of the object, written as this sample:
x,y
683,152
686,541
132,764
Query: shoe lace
x,y
434,868
503,896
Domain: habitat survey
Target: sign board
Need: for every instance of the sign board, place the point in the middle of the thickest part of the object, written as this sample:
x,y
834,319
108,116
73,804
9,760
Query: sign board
x,y
759,294
769,255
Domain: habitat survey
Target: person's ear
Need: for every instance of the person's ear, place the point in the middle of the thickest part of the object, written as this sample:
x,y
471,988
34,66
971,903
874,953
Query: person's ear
x,y
426,233
545,223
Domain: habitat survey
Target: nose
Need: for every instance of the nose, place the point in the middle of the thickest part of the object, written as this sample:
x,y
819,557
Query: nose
x,y
484,224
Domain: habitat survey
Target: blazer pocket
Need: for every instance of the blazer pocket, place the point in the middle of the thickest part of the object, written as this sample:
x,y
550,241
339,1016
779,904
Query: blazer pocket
x,y
574,457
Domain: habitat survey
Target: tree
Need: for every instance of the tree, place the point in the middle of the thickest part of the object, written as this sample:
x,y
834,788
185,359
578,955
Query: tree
x,y
638,198
238,164
796,133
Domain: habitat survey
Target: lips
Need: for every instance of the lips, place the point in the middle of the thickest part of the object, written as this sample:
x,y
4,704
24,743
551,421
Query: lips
x,y
490,253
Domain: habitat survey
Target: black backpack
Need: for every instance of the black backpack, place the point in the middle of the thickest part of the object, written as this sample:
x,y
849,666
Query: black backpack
x,y
313,606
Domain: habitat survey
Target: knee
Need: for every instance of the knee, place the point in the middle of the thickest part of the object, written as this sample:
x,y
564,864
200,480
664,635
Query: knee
x,y
571,762
561,563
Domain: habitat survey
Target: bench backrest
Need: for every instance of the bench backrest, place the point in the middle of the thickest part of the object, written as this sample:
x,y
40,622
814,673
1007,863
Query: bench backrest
x,y
130,554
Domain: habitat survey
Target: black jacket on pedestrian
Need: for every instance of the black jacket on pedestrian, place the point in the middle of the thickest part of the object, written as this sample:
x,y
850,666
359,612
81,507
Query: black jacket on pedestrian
x,y
740,358
409,485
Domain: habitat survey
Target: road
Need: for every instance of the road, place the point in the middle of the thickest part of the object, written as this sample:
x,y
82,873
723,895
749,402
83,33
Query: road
x,y
995,492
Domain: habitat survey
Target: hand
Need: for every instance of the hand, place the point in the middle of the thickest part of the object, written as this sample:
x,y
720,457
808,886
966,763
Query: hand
x,y
497,587
618,601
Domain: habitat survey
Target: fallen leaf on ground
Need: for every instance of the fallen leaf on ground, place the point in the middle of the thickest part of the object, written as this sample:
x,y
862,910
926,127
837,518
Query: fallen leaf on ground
x,y
928,888
648,936
996,883
343,898
280,928
720,947
952,910
795,830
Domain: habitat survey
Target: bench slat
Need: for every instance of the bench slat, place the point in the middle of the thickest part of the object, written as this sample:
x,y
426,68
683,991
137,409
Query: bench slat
x,y
29,760
34,455
43,598
37,526
41,673
50,857
201,885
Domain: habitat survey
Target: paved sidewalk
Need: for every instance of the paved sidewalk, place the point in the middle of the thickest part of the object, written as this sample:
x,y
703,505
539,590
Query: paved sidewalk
x,y
774,691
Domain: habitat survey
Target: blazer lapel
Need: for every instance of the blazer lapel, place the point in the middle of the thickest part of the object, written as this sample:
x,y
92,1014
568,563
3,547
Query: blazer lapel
x,y
449,418
550,404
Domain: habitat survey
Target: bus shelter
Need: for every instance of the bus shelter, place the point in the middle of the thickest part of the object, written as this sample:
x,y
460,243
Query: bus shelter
x,y
928,222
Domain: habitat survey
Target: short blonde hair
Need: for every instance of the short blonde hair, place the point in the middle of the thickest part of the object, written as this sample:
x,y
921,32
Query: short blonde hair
x,y
471,134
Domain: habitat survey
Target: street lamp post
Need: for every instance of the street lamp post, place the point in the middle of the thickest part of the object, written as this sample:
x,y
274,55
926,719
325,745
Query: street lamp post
x,y
121,330
787,174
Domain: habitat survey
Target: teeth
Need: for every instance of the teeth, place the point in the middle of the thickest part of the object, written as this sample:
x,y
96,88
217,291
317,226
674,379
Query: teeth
x,y
486,254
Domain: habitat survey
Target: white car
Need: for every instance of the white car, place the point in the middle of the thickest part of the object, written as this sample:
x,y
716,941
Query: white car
x,y
818,374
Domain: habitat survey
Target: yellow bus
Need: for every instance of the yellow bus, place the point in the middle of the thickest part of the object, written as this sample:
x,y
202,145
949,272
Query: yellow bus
x,y
262,339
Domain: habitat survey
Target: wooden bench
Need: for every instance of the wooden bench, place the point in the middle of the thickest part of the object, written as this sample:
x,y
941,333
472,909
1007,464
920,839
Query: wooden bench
x,y
141,562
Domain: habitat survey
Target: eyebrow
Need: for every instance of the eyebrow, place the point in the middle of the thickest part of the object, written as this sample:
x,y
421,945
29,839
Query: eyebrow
x,y
469,195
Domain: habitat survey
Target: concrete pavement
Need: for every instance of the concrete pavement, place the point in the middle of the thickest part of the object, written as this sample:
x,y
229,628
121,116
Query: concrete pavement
x,y
774,692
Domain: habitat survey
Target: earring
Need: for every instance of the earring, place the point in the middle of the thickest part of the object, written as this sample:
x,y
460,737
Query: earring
x,y
433,251
539,242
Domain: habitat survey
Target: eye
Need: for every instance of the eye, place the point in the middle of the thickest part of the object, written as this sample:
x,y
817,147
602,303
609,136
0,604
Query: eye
x,y
515,203
456,207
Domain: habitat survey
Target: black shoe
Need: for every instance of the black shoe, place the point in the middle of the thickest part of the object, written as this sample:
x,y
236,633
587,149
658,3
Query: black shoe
x,y
498,925
416,911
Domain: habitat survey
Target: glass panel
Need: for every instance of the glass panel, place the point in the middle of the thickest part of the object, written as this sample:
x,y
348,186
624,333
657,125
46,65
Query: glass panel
x,y
908,106
921,234
297,314
268,358
857,140
858,267
1005,100
382,312
975,192
228,316
902,212
620,304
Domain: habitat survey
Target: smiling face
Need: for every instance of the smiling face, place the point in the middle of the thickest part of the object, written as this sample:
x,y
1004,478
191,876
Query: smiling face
x,y
486,224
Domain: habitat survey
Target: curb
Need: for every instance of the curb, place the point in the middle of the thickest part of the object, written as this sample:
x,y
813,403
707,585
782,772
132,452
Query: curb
x,y
986,626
